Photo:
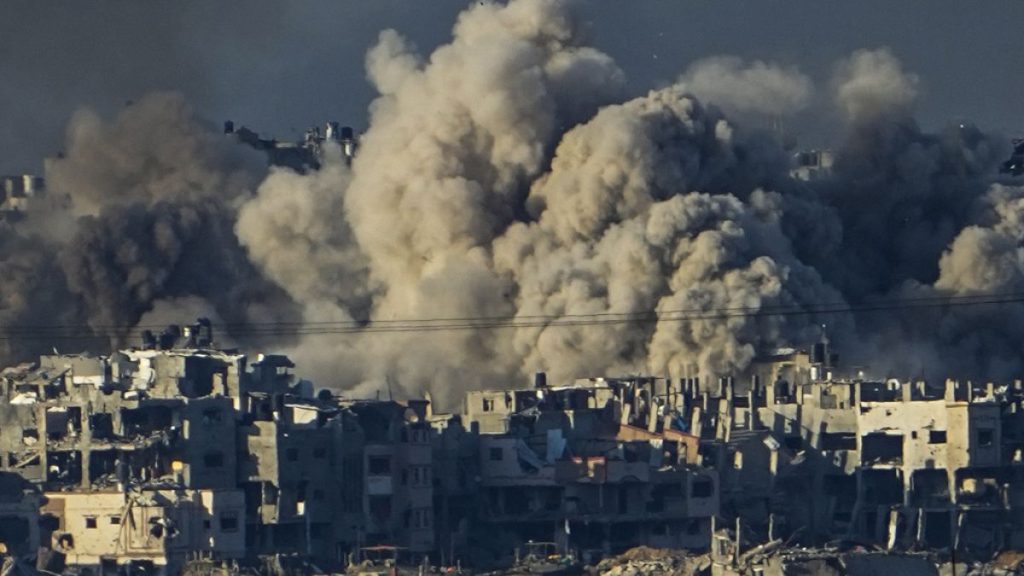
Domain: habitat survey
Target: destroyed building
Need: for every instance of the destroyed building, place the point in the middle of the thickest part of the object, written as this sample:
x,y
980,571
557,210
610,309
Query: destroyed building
x,y
135,453
811,165
600,465
156,455
301,156
21,194
898,463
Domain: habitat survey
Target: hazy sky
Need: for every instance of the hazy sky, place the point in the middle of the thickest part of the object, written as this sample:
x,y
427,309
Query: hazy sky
x,y
282,66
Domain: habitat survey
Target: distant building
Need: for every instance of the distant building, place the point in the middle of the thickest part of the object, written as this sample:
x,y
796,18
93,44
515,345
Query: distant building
x,y
811,165
21,193
299,156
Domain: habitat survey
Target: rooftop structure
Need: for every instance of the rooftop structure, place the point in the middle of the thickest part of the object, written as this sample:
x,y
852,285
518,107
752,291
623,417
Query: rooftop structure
x,y
300,156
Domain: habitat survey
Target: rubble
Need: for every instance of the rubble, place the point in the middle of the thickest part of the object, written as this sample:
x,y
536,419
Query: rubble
x,y
644,561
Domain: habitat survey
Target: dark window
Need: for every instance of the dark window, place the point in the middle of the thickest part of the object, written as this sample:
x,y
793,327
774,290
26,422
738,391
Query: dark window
x,y
693,527
320,452
380,507
488,405
936,436
880,447
986,437
213,460
496,454
838,441
211,416
115,520
228,522
379,465
206,524
90,521
702,488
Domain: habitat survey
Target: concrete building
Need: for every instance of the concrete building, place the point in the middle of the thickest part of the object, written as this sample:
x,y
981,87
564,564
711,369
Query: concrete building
x,y
153,456
146,530
900,463
21,193
598,466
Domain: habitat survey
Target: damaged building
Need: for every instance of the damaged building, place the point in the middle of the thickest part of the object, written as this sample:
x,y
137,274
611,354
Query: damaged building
x,y
600,466
902,464
301,156
154,456
175,450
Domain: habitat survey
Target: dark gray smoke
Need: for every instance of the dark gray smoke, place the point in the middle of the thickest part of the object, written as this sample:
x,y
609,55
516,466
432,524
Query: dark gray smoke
x,y
34,298
151,202
901,194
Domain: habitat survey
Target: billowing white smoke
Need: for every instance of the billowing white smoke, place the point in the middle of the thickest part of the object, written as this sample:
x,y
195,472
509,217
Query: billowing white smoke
x,y
296,231
985,258
459,210
917,221
872,82
151,199
453,145
737,88
499,180
626,225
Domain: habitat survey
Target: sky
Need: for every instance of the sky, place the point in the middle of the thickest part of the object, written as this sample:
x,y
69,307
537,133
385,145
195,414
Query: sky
x,y
280,67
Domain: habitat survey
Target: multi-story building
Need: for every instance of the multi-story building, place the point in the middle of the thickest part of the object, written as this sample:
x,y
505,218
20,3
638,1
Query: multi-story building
x,y
896,462
391,481
147,432
289,469
601,465
156,455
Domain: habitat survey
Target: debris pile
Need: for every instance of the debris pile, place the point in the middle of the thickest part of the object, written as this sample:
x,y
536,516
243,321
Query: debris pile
x,y
644,561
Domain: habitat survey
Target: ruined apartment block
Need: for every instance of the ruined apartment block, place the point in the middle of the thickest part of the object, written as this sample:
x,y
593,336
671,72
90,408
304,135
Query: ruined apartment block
x,y
898,463
145,437
598,466
155,456
176,450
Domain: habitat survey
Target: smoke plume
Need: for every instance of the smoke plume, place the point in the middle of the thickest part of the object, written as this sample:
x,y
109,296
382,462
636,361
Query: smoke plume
x,y
759,88
151,201
506,186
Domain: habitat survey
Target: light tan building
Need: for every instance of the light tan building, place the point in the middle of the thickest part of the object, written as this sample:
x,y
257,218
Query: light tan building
x,y
156,529
898,462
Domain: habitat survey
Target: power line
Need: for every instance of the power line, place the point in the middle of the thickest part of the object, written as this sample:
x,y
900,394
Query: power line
x,y
426,325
